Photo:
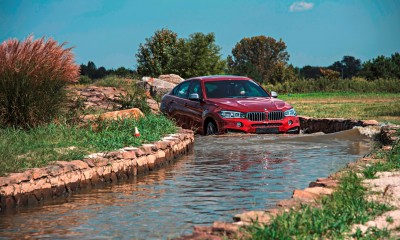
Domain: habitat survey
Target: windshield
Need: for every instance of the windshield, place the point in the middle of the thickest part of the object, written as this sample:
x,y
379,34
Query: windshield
x,y
234,89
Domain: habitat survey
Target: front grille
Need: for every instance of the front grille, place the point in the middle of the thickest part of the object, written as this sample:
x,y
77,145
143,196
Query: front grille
x,y
261,116
265,125
256,116
276,115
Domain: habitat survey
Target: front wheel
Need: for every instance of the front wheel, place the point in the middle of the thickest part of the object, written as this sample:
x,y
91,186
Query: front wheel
x,y
211,128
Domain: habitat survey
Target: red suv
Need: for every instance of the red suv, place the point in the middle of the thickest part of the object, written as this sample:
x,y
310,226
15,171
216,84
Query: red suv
x,y
220,104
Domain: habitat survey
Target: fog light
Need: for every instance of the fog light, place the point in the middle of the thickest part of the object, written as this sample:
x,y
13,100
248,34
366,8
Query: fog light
x,y
290,122
239,124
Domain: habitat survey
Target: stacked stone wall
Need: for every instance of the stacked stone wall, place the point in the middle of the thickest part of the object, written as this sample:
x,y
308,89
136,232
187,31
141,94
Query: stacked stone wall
x,y
60,179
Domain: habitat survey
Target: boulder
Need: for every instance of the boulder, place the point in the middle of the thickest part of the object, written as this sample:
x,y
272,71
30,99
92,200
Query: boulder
x,y
162,85
115,115
172,78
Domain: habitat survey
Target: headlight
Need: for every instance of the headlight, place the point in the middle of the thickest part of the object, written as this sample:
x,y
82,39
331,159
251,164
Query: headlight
x,y
290,112
232,114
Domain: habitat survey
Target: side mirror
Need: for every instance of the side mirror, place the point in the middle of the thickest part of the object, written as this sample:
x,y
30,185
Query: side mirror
x,y
274,94
194,97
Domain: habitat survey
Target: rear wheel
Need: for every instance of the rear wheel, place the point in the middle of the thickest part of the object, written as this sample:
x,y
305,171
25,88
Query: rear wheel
x,y
211,128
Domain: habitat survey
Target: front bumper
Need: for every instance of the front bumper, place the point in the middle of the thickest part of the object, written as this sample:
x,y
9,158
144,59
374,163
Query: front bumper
x,y
286,125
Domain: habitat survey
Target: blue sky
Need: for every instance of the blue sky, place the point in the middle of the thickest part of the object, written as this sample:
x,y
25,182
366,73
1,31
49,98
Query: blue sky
x,y
108,32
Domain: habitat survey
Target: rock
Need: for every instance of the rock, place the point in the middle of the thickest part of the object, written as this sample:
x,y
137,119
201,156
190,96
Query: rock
x,y
172,78
319,190
253,216
370,122
98,98
304,195
153,105
157,86
158,83
225,227
115,115
381,222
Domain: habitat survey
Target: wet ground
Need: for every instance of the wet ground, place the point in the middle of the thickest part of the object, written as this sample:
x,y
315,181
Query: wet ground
x,y
224,175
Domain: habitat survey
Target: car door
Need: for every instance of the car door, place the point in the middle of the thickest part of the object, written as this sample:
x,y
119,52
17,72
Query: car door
x,y
177,104
195,107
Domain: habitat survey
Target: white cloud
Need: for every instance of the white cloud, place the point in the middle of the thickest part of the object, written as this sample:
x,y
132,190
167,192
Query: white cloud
x,y
300,6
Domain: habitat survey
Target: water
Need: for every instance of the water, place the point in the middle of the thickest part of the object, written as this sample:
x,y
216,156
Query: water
x,y
224,175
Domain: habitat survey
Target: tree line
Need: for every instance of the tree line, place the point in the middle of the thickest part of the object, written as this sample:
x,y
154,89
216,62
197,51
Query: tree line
x,y
262,58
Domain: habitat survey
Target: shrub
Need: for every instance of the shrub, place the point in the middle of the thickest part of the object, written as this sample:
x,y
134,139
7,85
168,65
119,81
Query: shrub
x,y
33,74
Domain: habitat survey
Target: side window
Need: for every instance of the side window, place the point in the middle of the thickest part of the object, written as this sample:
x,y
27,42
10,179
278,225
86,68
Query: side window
x,y
182,90
196,88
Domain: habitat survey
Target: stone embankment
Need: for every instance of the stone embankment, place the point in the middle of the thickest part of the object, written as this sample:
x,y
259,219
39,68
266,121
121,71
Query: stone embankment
x,y
60,179
385,189
331,125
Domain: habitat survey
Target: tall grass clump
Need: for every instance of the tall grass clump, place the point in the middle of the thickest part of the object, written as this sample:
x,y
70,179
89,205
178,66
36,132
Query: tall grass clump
x,y
33,74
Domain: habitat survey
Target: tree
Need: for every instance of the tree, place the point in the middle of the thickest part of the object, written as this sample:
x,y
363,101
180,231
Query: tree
x,y
310,72
258,57
348,67
380,67
158,54
198,56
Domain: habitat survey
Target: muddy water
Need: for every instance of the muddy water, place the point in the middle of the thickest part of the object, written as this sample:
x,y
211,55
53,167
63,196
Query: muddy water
x,y
223,176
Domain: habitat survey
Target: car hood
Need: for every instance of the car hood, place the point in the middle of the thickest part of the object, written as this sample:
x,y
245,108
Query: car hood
x,y
254,104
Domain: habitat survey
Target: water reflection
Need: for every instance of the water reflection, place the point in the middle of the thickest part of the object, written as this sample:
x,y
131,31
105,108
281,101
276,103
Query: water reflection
x,y
222,177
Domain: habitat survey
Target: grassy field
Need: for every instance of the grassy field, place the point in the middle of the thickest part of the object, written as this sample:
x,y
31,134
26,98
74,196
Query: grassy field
x,y
359,106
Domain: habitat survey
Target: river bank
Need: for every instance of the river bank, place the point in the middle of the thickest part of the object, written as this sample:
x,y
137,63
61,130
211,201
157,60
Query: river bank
x,y
62,178
384,189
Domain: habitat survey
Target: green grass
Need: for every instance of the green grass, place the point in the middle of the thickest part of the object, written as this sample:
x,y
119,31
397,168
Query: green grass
x,y
333,219
337,213
383,107
22,149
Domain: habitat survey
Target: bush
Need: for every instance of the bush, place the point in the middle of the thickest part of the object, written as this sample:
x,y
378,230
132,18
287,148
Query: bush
x,y
83,79
33,74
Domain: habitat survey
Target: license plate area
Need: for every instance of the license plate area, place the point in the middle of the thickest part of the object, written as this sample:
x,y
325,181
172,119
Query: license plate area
x,y
267,130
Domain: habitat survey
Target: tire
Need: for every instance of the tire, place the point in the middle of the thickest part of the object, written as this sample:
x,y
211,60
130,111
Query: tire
x,y
211,128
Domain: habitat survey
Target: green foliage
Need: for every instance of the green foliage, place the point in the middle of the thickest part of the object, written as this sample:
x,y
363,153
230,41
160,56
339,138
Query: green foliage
x,y
83,79
21,149
261,58
157,55
199,56
92,73
33,74
165,53
348,67
382,67
392,161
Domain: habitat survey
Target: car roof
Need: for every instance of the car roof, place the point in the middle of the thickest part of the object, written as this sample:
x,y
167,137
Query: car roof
x,y
220,78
